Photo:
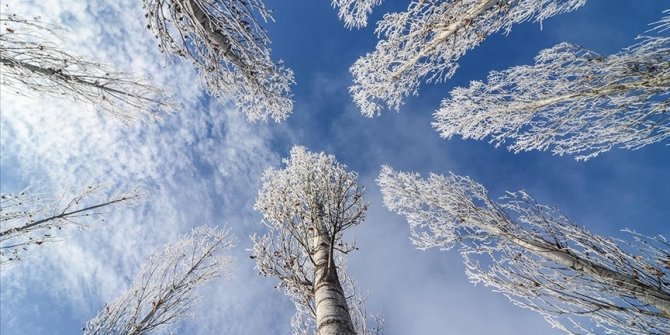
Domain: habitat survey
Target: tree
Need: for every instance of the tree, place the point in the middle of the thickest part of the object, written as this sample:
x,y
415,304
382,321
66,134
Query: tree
x,y
355,13
538,257
572,101
29,220
164,291
226,43
303,322
426,42
33,61
307,206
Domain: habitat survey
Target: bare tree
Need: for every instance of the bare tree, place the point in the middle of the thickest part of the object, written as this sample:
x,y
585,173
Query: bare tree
x,y
28,220
572,101
426,42
538,257
228,46
33,62
355,13
164,291
307,206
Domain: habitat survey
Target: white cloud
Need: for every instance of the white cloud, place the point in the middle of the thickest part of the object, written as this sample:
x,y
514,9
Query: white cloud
x,y
199,166
202,166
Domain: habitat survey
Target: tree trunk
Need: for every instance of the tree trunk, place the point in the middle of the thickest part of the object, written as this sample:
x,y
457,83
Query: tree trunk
x,y
332,312
641,291
214,33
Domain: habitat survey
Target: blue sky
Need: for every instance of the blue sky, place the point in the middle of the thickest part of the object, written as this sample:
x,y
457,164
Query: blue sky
x,y
203,166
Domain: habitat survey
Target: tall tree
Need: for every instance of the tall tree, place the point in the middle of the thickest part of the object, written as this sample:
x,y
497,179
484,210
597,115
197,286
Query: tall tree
x,y
33,61
230,50
303,322
426,42
164,291
307,206
538,257
355,13
29,220
572,101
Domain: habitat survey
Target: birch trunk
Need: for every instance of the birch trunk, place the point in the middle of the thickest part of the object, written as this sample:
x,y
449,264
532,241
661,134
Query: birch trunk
x,y
214,33
643,292
332,312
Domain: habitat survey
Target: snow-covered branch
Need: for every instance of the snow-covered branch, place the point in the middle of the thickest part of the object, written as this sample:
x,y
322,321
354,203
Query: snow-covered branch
x,y
230,50
34,61
425,43
29,220
572,101
307,206
164,292
538,257
354,13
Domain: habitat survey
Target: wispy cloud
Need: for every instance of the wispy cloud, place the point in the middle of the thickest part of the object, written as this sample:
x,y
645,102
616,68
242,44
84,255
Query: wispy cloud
x,y
200,165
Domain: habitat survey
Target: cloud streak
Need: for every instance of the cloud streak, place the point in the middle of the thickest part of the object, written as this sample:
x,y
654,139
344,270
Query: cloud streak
x,y
197,165
203,166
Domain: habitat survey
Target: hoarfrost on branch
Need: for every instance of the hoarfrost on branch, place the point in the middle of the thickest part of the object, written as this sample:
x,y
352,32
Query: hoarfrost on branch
x,y
572,101
165,290
538,257
355,13
426,42
307,207
34,61
28,220
230,50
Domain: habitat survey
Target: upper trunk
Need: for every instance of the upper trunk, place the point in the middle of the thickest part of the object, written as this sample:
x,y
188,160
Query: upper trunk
x,y
215,34
648,294
332,312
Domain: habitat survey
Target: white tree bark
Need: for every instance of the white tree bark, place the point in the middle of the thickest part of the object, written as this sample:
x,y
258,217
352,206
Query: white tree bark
x,y
332,311
214,34
646,293
537,257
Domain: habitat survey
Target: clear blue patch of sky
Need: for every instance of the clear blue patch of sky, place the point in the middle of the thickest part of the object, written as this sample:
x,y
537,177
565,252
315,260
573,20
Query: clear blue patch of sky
x,y
613,189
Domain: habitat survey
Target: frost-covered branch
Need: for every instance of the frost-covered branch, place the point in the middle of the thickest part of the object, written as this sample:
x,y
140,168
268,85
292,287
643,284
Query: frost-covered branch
x,y
164,292
230,50
307,206
536,256
354,13
34,61
29,220
425,43
572,101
